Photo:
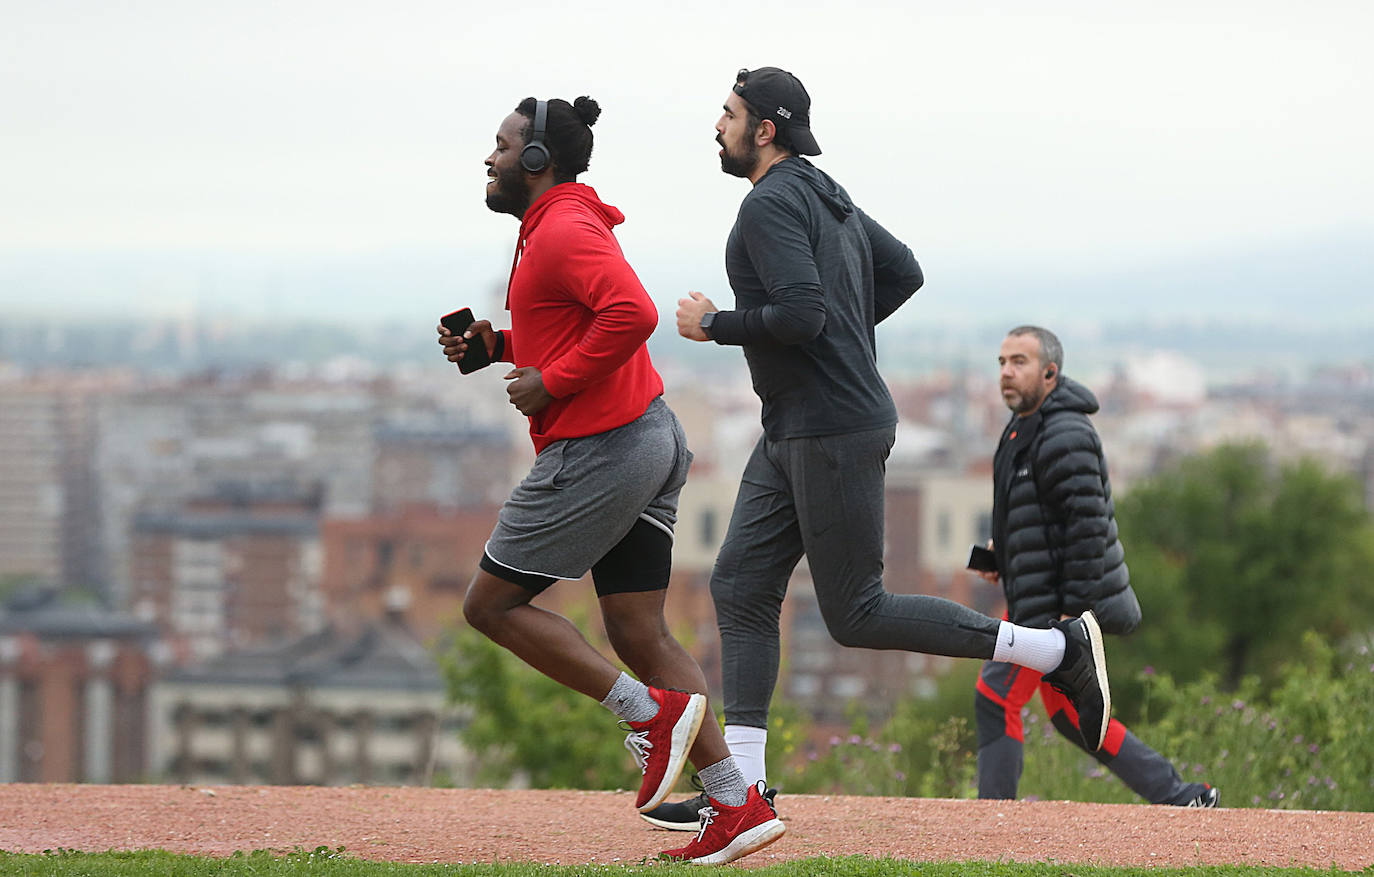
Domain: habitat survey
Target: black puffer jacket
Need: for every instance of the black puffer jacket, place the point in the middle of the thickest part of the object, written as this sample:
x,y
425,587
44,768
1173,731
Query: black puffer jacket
x,y
1053,522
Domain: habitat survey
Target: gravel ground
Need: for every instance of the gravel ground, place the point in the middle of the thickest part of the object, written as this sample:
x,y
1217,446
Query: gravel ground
x,y
475,825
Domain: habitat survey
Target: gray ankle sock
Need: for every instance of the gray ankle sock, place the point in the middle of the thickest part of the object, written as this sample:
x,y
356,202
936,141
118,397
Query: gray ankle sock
x,y
725,782
630,699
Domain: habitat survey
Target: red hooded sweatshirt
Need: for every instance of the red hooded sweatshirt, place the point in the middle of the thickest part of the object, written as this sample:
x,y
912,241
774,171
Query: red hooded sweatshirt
x,y
580,315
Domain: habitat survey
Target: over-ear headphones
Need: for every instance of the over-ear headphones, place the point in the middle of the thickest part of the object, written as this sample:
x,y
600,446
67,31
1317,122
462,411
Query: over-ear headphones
x,y
535,156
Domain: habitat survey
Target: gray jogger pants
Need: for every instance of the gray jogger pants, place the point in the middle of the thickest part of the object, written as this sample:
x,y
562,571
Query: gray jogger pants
x,y
822,497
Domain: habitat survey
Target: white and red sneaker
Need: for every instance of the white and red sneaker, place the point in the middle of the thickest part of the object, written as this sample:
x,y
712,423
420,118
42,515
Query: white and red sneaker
x,y
660,745
727,833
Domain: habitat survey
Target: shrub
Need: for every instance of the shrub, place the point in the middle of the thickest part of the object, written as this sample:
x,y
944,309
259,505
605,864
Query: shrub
x,y
527,729
1304,745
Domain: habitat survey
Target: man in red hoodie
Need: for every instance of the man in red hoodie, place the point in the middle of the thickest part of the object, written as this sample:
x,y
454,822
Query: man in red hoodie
x,y
611,459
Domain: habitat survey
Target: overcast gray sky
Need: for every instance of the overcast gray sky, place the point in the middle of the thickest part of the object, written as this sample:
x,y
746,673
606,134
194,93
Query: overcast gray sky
x,y
997,136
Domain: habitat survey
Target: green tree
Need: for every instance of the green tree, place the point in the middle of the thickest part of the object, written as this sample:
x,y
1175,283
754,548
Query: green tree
x,y
525,726
1235,556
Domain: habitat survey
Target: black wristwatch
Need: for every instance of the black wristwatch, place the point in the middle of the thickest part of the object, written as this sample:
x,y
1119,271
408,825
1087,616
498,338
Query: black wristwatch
x,y
708,320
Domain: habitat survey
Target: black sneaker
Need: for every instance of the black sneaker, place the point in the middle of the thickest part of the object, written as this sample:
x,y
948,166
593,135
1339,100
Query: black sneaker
x,y
685,815
1201,795
1082,676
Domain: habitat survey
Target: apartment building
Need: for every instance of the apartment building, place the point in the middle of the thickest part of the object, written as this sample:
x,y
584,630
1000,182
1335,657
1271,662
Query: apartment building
x,y
74,684
48,488
237,566
162,447
330,708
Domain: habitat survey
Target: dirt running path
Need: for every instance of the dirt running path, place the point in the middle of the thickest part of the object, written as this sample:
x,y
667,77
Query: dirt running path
x,y
465,825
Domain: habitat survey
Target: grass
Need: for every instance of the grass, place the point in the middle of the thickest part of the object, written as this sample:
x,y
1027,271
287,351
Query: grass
x,y
325,862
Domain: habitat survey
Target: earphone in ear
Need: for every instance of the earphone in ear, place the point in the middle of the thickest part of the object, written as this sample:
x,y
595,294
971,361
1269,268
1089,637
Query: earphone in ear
x,y
535,156
1050,373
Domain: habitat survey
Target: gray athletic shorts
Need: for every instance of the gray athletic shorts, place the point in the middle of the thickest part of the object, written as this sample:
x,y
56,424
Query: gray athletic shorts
x,y
584,494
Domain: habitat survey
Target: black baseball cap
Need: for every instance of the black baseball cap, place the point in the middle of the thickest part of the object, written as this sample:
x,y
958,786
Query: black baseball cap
x,y
779,96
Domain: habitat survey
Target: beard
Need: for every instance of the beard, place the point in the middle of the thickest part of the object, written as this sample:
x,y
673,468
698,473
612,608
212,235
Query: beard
x,y
1024,403
511,194
739,164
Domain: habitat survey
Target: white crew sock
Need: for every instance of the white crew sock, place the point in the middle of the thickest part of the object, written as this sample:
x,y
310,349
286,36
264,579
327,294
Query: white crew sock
x,y
1040,650
746,745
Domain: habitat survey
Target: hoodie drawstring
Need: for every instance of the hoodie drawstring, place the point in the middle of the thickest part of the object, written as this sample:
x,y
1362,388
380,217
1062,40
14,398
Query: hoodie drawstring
x,y
515,263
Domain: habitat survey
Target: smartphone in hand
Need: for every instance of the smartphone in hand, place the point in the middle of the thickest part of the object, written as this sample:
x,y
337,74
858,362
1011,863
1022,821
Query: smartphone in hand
x,y
475,356
981,559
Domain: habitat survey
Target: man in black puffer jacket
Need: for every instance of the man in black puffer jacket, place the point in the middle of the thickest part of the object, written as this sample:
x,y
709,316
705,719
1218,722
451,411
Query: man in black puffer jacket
x,y
1054,535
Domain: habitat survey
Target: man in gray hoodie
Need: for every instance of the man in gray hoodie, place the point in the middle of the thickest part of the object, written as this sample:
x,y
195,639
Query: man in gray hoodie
x,y
812,275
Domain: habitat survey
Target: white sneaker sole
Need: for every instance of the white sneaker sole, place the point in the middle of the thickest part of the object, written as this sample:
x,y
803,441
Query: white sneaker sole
x,y
667,825
1100,666
751,841
684,735
671,826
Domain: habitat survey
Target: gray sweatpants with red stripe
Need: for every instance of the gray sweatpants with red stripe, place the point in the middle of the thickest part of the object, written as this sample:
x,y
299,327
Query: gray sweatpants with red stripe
x,y
1004,689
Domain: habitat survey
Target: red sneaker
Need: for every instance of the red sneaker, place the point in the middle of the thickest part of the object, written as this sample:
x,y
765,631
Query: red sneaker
x,y
660,745
727,833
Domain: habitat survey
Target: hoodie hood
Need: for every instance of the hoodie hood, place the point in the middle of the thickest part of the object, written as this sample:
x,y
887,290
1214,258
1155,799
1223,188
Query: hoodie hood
x,y
560,193
565,192
1070,395
831,193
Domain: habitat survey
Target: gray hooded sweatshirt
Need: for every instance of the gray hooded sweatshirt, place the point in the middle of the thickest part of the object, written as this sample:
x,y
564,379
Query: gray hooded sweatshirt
x,y
812,275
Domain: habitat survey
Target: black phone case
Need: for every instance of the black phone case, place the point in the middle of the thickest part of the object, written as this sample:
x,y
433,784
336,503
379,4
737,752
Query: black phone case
x,y
981,559
475,356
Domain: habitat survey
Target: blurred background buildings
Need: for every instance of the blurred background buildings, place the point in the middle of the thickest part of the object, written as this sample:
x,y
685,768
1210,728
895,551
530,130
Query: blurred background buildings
x,y
221,573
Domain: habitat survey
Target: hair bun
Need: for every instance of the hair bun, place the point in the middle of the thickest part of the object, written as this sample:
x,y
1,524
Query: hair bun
x,y
588,110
